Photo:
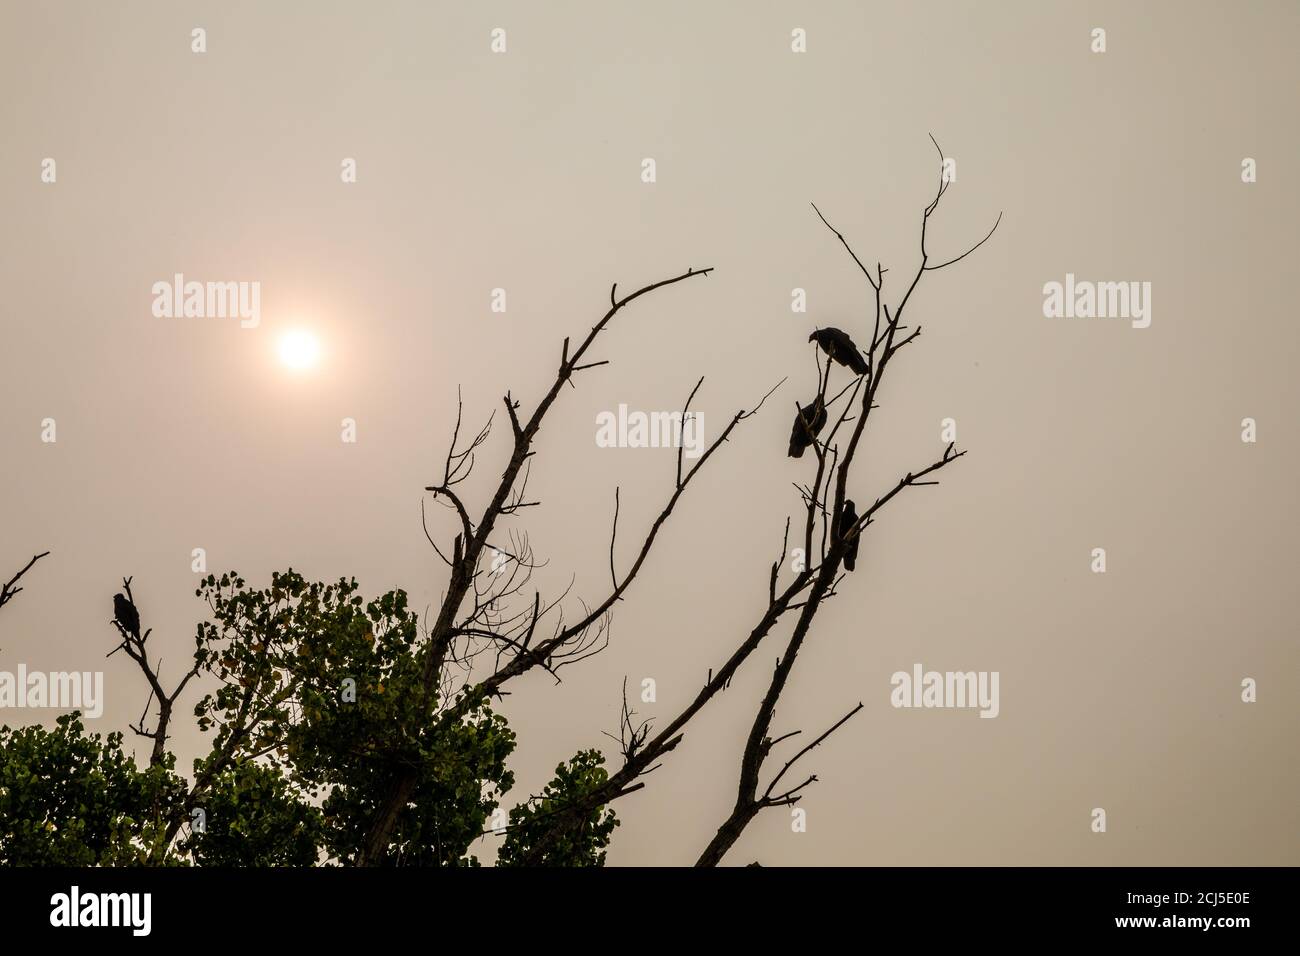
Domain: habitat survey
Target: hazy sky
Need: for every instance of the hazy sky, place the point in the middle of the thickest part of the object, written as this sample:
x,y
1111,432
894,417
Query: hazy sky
x,y
522,171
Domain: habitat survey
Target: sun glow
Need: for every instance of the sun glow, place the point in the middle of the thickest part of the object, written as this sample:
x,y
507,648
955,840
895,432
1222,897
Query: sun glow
x,y
299,349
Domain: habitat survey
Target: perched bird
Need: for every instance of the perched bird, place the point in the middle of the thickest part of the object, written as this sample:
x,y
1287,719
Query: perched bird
x,y
848,518
127,617
837,344
808,423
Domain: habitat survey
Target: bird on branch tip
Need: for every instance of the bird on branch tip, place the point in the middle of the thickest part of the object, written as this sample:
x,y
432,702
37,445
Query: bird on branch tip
x,y
837,344
127,617
809,420
848,518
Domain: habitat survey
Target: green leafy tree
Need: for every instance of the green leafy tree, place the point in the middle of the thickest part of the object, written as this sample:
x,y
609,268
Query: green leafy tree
x,y
253,816
580,845
68,798
316,704
325,690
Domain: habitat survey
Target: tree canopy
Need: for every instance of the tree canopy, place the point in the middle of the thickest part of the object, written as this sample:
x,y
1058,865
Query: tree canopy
x,y
318,704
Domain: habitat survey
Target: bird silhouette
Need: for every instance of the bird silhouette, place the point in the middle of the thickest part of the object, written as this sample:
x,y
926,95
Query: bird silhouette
x,y
127,617
837,344
848,518
808,423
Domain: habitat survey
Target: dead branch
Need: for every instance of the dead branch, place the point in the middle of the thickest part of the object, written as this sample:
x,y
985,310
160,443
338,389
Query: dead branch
x,y
10,588
824,500
567,643
133,644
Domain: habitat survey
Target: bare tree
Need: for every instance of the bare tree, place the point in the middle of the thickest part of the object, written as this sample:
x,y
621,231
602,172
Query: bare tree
x,y
133,643
470,620
823,535
489,629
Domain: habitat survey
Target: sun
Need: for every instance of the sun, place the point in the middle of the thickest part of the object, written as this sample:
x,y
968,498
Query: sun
x,y
299,349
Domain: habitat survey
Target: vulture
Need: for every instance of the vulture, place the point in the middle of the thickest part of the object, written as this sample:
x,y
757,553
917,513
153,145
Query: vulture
x,y
127,617
808,423
837,344
848,518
